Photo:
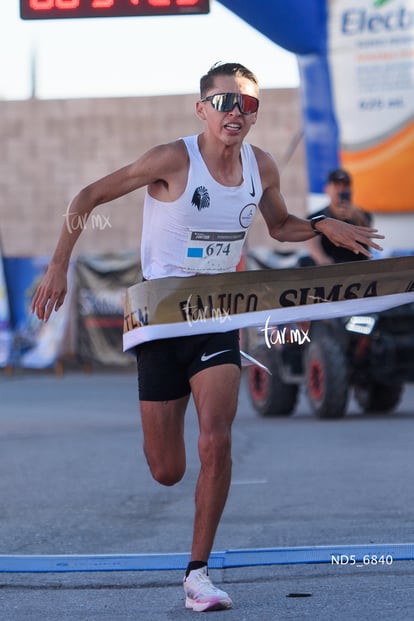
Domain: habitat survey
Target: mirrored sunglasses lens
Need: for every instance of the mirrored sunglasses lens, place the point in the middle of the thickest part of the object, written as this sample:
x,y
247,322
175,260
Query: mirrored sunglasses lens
x,y
225,102
248,104
220,102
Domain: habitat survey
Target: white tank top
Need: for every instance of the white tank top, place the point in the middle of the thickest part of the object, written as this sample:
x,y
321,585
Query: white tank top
x,y
203,231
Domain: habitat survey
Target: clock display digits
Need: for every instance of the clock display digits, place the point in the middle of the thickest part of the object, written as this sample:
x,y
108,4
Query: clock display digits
x,y
67,4
41,5
102,4
63,9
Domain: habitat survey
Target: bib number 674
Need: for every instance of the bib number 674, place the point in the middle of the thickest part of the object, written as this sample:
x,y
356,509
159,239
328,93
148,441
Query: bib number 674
x,y
217,248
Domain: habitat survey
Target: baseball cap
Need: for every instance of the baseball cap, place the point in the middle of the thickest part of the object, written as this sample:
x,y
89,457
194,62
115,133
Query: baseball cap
x,y
339,175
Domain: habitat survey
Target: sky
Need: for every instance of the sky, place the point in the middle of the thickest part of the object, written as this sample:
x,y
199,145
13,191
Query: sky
x,y
131,56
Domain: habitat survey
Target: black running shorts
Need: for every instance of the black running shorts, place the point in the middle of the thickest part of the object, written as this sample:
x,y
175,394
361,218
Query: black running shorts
x,y
165,366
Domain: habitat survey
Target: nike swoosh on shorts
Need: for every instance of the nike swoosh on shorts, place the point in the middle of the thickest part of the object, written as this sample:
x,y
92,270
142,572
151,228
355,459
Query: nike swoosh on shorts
x,y
206,357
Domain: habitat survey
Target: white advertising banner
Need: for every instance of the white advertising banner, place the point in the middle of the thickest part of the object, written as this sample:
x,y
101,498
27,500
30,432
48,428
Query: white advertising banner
x,y
371,57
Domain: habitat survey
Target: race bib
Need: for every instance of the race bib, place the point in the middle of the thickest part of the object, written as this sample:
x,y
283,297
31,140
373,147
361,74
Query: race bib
x,y
213,251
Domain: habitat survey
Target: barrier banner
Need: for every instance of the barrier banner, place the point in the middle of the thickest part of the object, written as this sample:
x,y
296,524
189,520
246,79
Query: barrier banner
x,y
36,345
5,327
101,282
168,307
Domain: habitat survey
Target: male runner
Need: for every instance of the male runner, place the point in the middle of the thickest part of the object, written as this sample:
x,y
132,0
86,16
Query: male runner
x,y
211,183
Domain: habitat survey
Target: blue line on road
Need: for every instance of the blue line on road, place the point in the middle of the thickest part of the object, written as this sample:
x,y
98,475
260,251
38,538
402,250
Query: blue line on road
x,y
372,554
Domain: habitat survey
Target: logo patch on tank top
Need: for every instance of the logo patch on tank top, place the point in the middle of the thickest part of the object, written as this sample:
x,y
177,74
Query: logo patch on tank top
x,y
201,198
246,215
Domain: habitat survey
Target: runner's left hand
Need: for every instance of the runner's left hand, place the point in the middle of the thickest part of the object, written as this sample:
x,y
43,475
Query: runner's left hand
x,y
349,236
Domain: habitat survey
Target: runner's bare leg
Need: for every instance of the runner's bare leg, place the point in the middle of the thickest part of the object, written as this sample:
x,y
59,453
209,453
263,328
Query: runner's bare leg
x,y
215,392
164,448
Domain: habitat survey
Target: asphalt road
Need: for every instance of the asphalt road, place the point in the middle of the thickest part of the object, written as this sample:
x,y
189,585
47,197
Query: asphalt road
x,y
74,481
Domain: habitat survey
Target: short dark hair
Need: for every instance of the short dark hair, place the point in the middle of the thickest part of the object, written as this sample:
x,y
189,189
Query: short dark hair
x,y
339,174
229,69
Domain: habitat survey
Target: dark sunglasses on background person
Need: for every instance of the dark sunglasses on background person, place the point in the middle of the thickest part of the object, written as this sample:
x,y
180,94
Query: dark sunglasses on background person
x,y
225,102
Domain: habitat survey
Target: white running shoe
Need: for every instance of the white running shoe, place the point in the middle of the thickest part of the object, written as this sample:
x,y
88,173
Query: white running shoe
x,y
202,595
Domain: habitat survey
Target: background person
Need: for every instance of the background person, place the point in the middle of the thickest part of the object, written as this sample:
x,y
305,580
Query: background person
x,y
339,189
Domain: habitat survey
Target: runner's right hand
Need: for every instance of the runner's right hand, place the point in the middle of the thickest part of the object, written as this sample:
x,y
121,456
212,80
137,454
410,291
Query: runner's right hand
x,y
50,293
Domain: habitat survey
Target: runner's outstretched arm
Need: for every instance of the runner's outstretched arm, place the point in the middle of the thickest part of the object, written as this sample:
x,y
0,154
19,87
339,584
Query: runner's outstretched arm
x,y
156,166
287,227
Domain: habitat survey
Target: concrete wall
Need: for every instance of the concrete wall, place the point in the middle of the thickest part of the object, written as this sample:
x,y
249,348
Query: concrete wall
x,y
51,149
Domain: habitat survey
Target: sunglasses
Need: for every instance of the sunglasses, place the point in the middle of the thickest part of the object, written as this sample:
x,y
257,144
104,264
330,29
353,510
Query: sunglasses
x,y
225,102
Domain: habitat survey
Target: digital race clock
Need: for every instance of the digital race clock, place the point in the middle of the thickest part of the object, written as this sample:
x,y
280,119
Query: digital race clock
x,y
53,9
